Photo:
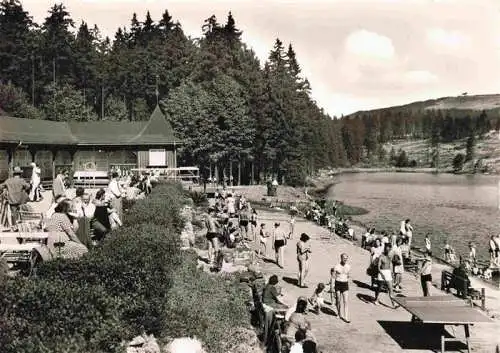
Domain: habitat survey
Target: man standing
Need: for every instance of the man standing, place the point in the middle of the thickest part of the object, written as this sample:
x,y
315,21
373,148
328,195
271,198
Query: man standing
x,y
116,192
17,194
58,186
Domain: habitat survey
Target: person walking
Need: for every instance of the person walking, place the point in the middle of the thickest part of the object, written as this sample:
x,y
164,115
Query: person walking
x,y
35,192
426,274
59,186
384,275
341,273
16,193
292,226
213,233
303,251
279,242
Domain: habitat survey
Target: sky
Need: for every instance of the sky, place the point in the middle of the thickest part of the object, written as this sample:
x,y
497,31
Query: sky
x,y
357,54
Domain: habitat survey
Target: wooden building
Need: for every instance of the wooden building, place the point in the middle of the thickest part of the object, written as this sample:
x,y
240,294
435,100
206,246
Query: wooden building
x,y
86,146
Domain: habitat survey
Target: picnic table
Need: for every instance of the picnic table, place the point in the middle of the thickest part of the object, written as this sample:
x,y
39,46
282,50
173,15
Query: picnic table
x,y
443,310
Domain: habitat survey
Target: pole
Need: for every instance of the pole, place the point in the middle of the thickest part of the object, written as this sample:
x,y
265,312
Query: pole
x,y
157,90
498,194
32,80
54,70
102,102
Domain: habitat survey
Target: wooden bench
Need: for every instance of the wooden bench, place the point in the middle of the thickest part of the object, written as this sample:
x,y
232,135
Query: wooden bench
x,y
20,256
90,179
23,237
462,287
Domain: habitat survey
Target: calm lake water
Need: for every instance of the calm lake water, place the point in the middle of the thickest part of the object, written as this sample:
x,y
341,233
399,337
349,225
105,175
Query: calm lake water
x,y
453,207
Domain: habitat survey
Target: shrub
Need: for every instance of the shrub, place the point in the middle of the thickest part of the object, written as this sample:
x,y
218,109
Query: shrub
x,y
43,315
458,162
137,280
206,307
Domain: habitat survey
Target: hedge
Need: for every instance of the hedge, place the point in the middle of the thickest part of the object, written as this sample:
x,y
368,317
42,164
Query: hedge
x,y
137,281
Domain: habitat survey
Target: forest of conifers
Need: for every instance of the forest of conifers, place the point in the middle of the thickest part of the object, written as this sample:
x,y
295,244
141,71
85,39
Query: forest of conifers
x,y
224,103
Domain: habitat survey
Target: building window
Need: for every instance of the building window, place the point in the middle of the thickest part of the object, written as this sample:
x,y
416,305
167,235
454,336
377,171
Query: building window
x,y
157,158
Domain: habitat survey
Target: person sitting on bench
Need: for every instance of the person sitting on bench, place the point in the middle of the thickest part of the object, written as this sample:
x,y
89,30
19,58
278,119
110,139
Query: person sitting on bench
x,y
460,280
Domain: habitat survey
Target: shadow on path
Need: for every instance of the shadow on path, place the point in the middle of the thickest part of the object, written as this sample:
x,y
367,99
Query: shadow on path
x,y
368,299
291,280
362,284
422,337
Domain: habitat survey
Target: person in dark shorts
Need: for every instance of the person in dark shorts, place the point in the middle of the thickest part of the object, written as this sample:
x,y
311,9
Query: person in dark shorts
x,y
279,242
253,223
426,274
213,230
340,275
244,221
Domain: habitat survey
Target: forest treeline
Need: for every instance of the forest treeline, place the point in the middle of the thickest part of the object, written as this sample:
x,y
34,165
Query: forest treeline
x,y
226,105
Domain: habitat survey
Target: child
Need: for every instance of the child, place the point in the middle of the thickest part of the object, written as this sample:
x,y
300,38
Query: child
x,y
292,226
263,239
300,336
316,300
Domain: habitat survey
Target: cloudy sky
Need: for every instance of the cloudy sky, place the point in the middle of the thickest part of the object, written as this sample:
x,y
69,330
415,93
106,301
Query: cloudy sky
x,y
357,54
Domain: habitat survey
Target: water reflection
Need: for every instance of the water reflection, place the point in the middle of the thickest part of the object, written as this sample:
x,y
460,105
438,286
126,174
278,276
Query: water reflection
x,y
453,207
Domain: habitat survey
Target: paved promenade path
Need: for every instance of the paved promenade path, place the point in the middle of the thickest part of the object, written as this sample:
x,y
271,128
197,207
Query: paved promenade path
x,y
373,328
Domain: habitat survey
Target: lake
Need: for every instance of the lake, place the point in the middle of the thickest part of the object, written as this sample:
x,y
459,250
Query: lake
x,y
450,207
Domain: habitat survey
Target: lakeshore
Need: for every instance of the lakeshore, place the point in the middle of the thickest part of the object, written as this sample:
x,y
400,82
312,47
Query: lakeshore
x,y
381,329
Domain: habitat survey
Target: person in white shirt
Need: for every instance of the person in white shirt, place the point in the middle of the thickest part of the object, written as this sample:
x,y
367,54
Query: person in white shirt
x,y
35,192
88,208
472,253
385,238
427,244
115,193
300,336
231,205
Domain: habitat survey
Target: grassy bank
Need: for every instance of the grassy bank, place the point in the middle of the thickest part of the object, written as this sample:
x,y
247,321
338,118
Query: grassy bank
x,y
137,281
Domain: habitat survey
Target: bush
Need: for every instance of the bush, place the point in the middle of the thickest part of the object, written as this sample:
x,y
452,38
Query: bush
x,y
137,281
206,307
45,315
458,162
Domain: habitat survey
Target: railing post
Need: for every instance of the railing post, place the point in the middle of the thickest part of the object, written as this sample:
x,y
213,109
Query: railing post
x,y
483,299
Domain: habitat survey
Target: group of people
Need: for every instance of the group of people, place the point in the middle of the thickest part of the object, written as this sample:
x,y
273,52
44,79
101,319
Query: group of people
x,y
230,220
78,222
297,334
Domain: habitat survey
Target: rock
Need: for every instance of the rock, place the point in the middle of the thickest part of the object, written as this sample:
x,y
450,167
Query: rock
x,y
143,344
185,345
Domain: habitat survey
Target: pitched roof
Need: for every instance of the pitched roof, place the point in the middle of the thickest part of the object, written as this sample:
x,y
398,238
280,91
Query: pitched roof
x,y
105,132
35,131
156,131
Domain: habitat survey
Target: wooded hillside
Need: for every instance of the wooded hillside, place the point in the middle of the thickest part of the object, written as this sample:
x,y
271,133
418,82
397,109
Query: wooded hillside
x,y
220,99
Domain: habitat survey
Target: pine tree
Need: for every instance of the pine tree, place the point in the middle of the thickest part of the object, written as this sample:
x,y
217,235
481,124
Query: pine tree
x,y
16,45
57,50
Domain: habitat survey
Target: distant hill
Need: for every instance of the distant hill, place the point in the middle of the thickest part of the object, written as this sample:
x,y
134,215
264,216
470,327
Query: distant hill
x,y
486,102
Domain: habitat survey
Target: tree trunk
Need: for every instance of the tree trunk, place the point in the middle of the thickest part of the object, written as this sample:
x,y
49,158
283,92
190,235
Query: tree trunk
x,y
239,172
252,174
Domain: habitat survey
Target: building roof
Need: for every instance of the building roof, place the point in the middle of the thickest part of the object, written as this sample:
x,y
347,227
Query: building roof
x,y
33,131
156,131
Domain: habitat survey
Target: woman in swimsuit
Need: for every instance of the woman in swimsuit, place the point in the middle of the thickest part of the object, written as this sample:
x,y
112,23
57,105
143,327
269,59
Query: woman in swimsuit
x,y
279,242
303,251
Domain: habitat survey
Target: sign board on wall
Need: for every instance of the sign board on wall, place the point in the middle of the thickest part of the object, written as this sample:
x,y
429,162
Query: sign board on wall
x,y
157,157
